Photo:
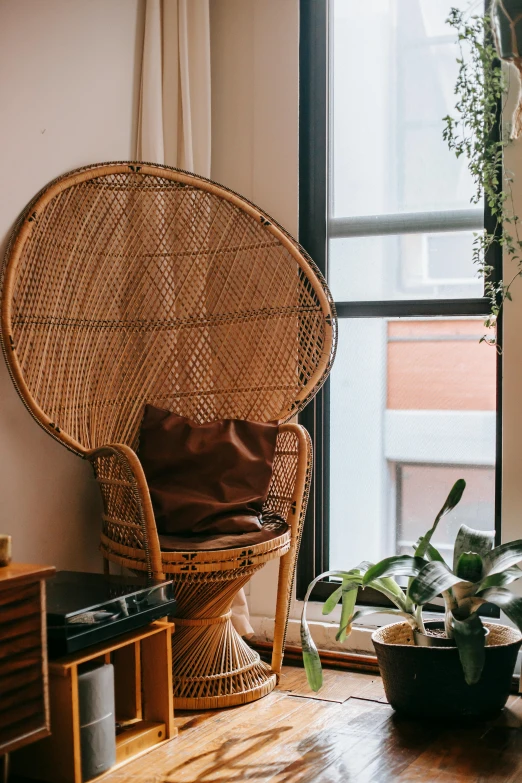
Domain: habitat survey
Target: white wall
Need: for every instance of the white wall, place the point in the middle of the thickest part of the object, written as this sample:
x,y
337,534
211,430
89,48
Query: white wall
x,y
69,77
255,102
512,359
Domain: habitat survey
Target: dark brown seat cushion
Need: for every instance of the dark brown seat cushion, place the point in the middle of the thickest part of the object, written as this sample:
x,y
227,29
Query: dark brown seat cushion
x,y
272,528
206,479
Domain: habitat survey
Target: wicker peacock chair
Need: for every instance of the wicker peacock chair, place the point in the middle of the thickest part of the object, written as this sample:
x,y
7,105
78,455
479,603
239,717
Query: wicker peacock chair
x,y
126,284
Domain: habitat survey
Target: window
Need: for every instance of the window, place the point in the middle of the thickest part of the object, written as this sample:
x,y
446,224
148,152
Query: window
x,y
412,401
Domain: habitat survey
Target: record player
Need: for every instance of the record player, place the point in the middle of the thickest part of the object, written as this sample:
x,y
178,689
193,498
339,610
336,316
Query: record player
x,y
85,609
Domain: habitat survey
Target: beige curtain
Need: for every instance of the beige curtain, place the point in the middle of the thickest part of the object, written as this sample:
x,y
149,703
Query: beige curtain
x,y
174,114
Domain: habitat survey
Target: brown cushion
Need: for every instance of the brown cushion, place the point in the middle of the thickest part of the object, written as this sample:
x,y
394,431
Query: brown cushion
x,y
272,528
206,478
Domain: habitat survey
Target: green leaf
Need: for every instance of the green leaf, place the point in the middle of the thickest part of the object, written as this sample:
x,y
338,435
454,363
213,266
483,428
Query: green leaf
x,y
500,579
398,565
364,610
469,635
363,566
348,605
451,501
389,587
433,554
311,660
454,496
351,581
468,540
510,604
432,580
502,557
469,567
332,600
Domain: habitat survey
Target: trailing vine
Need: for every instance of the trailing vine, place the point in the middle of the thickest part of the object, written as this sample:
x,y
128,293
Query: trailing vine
x,y
474,132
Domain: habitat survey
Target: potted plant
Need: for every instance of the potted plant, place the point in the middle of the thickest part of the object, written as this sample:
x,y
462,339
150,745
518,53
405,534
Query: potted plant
x,y
464,666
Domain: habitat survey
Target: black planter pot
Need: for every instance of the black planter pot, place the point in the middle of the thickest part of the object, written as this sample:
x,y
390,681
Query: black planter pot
x,y
428,682
426,640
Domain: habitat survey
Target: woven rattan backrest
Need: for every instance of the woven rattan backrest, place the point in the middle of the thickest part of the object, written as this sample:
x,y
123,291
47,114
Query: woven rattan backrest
x,y
133,283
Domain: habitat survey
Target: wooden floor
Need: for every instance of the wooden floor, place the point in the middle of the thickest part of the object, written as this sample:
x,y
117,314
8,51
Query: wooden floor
x,y
345,734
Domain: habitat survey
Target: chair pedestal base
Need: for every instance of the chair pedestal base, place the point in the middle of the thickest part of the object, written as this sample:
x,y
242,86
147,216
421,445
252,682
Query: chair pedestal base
x,y
213,667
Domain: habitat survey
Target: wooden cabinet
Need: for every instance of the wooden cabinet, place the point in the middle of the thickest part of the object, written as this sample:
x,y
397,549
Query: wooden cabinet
x,y
142,663
24,697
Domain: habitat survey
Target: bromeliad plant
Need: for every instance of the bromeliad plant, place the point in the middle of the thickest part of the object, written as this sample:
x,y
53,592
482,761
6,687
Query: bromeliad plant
x,y
480,574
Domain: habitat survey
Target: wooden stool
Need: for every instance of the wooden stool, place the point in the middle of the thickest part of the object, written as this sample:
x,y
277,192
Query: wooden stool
x,y
212,665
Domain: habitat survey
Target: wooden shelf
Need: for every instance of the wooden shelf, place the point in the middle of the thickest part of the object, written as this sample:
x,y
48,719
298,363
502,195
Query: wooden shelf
x,y
138,736
143,699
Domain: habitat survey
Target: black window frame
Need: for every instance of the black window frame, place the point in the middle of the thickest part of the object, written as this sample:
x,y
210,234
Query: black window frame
x,y
313,211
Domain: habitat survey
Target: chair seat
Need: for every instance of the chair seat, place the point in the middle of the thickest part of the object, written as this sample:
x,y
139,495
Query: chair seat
x,y
218,541
237,555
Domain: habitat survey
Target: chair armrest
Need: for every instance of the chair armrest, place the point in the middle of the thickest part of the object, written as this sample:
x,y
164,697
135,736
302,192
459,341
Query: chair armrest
x,y
128,514
292,470
291,485
303,475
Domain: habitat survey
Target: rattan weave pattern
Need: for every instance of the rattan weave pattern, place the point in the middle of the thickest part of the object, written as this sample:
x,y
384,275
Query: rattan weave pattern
x,y
131,283
401,634
129,270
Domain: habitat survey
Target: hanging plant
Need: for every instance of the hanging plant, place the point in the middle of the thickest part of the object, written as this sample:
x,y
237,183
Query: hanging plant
x,y
474,132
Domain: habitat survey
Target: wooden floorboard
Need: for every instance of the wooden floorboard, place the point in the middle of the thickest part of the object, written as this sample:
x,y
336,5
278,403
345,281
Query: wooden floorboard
x,y
337,685
345,734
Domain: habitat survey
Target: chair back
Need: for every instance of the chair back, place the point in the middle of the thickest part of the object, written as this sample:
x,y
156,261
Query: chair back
x,y
127,284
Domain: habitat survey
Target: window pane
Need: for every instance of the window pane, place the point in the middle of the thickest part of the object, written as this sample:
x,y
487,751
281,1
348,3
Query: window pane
x,y
393,71
407,266
421,487
412,408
